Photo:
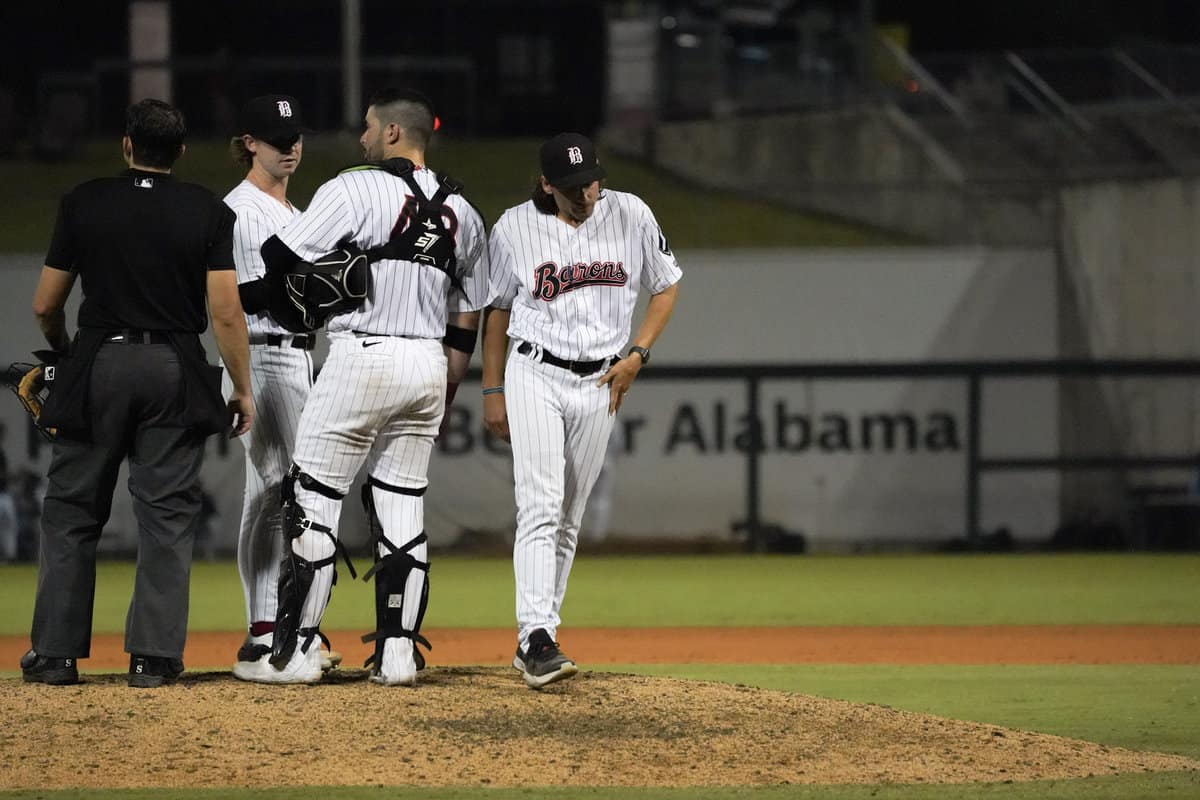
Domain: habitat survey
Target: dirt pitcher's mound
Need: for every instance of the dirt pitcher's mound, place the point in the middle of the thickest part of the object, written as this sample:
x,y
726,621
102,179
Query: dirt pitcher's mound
x,y
482,726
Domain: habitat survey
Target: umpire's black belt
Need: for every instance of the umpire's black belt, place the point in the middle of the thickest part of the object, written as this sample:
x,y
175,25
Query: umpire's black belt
x,y
300,341
578,367
134,336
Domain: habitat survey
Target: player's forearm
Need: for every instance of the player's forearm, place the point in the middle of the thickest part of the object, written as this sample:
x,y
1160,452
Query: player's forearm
x,y
495,346
461,327
658,313
456,365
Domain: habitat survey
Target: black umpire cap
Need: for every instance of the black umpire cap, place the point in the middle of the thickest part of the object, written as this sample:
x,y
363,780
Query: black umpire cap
x,y
569,160
273,118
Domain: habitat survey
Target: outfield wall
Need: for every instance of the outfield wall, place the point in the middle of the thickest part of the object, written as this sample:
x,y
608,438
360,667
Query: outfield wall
x,y
1130,288
846,461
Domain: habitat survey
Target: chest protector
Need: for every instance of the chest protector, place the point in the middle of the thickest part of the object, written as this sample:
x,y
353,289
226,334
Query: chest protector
x,y
315,291
312,292
426,239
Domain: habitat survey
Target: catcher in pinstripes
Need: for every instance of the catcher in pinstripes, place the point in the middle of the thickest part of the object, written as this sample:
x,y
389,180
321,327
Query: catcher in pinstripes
x,y
381,395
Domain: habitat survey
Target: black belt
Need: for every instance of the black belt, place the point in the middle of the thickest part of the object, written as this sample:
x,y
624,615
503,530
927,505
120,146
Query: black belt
x,y
365,334
300,341
578,367
133,336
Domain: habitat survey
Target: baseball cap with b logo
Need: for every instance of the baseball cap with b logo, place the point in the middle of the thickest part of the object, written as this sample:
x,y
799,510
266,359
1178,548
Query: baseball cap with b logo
x,y
273,118
569,160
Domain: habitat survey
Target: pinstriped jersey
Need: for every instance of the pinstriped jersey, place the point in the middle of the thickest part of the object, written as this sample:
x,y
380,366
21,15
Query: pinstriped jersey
x,y
365,205
573,290
259,216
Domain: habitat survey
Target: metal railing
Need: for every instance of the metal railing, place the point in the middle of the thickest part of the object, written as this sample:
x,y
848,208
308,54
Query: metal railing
x,y
1078,111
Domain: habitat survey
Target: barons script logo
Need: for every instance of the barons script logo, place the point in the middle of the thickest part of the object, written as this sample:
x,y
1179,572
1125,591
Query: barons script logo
x,y
551,280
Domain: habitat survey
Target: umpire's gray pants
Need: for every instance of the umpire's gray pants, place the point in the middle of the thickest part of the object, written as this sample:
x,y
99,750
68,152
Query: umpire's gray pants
x,y
134,408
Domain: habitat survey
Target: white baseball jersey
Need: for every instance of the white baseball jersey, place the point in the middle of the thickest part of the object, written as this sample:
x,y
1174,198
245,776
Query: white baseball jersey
x,y
382,392
280,379
258,217
573,290
365,205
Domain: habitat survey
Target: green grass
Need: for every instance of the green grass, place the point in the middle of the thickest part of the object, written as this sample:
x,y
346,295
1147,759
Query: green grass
x,y
498,173
726,590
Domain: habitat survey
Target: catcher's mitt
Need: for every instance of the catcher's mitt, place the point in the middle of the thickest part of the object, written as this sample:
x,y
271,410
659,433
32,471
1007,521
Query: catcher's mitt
x,y
28,383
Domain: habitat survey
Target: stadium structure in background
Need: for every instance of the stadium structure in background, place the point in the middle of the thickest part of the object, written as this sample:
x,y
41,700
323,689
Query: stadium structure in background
x,y
503,67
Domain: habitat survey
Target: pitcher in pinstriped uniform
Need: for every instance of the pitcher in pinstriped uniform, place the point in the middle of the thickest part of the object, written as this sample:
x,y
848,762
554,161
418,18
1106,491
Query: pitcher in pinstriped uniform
x,y
567,267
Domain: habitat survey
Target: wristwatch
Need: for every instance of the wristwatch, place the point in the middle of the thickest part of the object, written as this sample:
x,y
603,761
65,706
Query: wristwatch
x,y
641,351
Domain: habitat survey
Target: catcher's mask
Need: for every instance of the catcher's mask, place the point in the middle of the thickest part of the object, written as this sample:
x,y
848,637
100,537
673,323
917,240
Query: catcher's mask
x,y
329,285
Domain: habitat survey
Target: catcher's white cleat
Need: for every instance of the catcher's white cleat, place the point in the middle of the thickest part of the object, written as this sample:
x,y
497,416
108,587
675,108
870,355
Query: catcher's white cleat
x,y
399,667
301,668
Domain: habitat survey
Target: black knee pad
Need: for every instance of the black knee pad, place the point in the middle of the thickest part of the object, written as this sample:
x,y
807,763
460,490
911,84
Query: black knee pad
x,y
296,574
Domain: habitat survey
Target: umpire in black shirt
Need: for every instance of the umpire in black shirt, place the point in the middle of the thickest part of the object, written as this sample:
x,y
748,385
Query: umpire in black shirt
x,y
134,383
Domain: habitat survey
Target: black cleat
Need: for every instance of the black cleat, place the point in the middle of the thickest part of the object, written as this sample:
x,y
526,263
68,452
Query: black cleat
x,y
544,663
44,669
150,672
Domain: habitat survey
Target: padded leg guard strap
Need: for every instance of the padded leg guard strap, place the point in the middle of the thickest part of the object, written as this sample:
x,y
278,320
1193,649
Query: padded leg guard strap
x,y
296,574
391,573
313,485
295,582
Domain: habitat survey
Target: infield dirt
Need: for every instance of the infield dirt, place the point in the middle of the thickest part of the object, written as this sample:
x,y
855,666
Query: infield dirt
x,y
480,725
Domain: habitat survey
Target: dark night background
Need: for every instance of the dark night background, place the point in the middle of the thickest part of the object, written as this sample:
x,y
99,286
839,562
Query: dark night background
x,y
1022,24
41,38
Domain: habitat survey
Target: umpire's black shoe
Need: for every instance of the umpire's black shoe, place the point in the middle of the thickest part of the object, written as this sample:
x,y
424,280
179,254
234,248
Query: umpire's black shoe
x,y
149,672
544,662
44,669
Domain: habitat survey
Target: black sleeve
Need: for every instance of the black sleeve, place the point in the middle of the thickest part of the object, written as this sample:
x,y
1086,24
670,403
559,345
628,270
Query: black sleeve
x,y
62,245
277,256
255,295
220,243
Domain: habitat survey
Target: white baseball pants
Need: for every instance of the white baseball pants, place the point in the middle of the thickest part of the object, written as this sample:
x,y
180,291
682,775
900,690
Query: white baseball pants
x,y
560,425
379,400
280,379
